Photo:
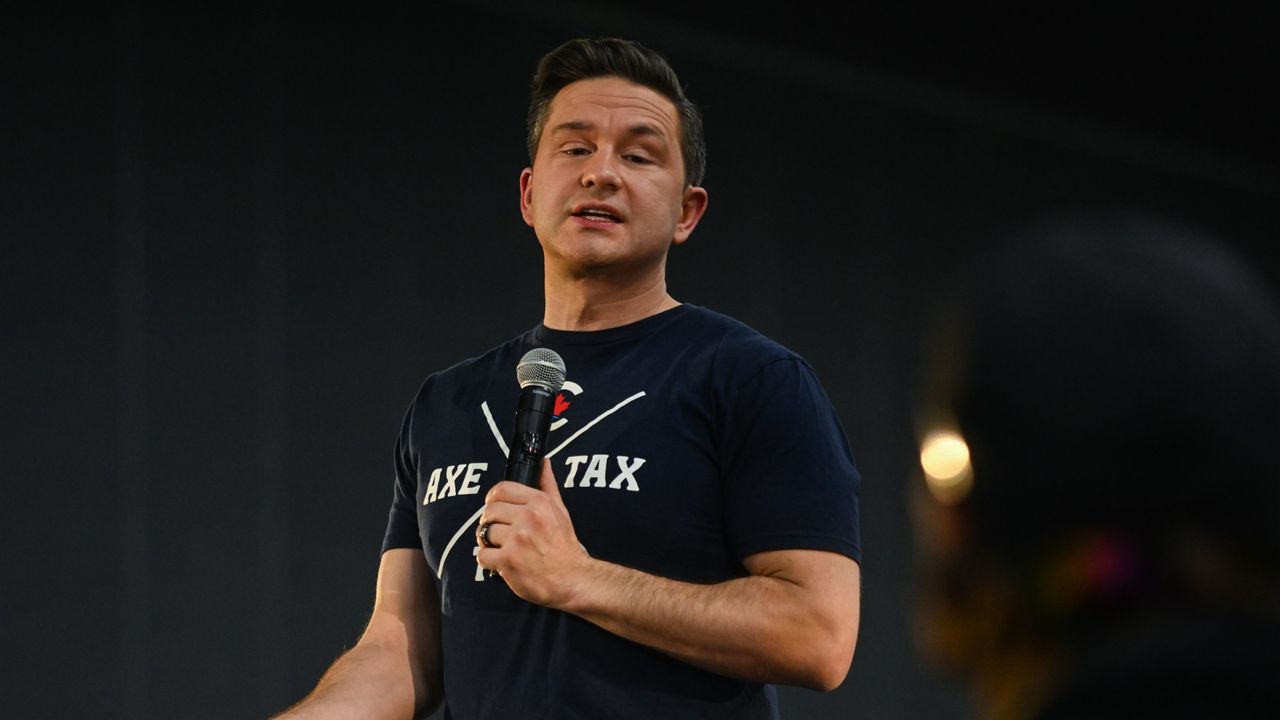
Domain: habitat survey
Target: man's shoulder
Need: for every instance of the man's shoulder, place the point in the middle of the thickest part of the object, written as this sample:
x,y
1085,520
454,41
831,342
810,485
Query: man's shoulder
x,y
475,372
740,345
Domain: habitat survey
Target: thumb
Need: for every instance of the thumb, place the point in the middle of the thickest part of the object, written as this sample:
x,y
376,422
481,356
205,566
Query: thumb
x,y
547,484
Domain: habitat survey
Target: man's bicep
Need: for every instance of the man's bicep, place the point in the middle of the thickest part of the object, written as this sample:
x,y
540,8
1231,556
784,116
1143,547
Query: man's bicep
x,y
790,475
405,587
831,584
406,614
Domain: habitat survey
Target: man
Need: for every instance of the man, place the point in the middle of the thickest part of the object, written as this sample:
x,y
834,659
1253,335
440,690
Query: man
x,y
694,535
1112,549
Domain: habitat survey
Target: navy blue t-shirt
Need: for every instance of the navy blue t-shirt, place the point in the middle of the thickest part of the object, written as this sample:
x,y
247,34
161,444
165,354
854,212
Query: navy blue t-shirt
x,y
683,443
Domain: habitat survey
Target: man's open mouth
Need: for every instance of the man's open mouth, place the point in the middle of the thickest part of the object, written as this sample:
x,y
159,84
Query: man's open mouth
x,y
598,215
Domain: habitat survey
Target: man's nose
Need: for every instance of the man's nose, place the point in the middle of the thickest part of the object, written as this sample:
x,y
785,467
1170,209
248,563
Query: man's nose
x,y
601,171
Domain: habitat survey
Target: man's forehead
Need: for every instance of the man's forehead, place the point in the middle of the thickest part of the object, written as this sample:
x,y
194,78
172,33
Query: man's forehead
x,y
583,100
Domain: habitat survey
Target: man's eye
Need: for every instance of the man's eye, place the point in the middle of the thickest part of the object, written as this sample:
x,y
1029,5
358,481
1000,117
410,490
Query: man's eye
x,y
576,151
640,159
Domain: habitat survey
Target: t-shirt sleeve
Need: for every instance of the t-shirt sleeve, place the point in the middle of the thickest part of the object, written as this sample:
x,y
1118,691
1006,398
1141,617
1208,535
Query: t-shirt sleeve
x,y
402,524
789,475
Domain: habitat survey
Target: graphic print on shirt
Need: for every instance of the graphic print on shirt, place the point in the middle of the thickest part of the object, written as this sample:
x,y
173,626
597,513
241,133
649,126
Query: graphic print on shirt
x,y
463,479
572,389
604,471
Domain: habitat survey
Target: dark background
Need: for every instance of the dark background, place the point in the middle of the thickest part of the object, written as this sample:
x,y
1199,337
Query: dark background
x,y
234,243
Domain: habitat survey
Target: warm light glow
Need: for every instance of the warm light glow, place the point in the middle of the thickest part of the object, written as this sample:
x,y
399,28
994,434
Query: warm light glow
x,y
945,459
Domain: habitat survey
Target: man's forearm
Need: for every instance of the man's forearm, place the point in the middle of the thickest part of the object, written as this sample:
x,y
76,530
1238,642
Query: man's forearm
x,y
370,680
793,619
760,627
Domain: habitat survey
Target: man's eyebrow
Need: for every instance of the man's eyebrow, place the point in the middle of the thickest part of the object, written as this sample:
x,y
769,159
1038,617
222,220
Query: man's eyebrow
x,y
637,129
646,129
573,125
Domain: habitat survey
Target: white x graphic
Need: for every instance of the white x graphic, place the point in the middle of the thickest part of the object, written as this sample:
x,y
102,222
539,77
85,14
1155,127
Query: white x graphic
x,y
493,426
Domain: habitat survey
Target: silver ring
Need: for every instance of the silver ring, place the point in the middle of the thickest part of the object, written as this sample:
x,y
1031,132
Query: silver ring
x,y
484,534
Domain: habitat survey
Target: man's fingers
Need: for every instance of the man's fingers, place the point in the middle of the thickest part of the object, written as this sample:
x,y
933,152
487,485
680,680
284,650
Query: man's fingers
x,y
502,512
508,492
488,533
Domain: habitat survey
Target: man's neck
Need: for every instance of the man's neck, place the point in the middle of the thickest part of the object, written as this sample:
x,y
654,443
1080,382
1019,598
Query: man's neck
x,y
597,304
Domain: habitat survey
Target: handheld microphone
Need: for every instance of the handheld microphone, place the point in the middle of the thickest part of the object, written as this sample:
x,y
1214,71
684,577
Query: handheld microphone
x,y
541,374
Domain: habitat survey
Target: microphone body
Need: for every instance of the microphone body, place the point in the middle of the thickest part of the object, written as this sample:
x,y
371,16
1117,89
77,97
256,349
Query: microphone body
x,y
541,374
529,438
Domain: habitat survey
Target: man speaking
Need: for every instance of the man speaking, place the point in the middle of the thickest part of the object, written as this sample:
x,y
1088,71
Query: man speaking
x,y
692,537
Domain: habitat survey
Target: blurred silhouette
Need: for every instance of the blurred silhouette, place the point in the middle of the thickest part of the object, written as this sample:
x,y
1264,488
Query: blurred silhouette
x,y
1099,530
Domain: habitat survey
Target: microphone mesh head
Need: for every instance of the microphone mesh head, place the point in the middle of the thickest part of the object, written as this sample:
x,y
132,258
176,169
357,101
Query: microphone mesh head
x,y
542,367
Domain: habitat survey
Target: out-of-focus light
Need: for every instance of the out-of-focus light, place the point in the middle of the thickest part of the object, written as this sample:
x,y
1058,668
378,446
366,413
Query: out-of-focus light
x,y
944,456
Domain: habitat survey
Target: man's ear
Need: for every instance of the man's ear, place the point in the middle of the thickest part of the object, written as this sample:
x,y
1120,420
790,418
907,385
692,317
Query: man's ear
x,y
526,195
692,206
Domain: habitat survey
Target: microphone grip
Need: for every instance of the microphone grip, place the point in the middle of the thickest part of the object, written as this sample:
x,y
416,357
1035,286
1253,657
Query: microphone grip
x,y
529,437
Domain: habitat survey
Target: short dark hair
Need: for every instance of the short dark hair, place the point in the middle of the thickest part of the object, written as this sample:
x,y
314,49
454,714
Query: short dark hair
x,y
584,58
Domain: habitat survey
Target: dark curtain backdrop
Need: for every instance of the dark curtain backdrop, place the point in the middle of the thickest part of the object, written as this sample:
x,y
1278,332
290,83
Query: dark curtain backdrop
x,y
234,244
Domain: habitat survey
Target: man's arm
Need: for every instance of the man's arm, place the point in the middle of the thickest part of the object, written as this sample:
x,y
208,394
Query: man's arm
x,y
793,620
394,671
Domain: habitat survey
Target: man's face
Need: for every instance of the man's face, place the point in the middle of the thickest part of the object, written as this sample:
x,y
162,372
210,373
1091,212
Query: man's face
x,y
606,195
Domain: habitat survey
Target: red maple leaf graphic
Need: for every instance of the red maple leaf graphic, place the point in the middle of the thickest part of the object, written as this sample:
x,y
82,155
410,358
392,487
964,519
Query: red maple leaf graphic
x,y
561,404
